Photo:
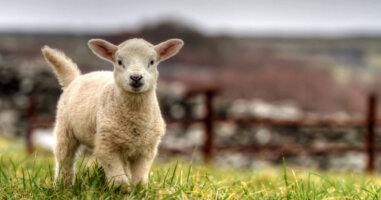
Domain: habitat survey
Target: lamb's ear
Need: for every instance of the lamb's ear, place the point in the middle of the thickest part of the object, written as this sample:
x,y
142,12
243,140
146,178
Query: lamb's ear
x,y
103,49
168,48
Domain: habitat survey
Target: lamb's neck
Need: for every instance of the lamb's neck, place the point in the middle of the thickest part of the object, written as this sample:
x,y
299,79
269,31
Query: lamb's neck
x,y
135,101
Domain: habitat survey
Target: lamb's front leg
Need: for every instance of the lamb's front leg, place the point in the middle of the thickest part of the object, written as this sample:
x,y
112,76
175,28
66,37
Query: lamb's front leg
x,y
140,170
110,159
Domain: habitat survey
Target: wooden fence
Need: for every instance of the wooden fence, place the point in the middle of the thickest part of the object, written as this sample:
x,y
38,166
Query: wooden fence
x,y
369,123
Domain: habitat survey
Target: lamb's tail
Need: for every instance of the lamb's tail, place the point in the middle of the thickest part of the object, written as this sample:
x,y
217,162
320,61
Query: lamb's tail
x,y
65,69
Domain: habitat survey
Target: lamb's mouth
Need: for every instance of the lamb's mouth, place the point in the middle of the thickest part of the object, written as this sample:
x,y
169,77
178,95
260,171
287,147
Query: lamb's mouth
x,y
136,86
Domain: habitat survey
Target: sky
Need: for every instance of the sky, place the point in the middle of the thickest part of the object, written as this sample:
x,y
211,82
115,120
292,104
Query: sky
x,y
238,17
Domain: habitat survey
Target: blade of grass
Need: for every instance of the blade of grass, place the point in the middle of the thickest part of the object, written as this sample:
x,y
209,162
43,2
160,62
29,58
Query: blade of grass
x,y
285,178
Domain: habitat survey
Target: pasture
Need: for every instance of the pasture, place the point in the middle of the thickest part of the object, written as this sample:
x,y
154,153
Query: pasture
x,y
24,176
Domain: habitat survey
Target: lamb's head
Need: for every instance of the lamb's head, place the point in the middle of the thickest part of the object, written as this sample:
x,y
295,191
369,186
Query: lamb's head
x,y
135,61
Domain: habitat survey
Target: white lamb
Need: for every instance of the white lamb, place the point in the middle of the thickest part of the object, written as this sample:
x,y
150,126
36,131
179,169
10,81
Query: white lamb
x,y
114,113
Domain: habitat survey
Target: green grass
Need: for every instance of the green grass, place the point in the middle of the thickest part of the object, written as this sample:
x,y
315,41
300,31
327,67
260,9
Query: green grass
x,y
25,176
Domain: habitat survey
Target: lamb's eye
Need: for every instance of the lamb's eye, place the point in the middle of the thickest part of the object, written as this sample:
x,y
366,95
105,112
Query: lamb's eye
x,y
151,63
120,62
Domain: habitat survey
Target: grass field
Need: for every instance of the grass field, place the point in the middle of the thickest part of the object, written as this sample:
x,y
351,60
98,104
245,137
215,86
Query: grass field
x,y
25,176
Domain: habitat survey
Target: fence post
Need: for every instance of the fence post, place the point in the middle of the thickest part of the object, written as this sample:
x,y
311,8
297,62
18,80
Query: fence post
x,y
32,107
371,120
208,125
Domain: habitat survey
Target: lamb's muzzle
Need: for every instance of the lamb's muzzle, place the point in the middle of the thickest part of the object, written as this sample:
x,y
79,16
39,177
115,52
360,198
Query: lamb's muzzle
x,y
136,81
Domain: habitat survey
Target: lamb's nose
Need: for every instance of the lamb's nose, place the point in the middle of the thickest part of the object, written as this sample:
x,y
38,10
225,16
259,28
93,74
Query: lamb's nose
x,y
136,77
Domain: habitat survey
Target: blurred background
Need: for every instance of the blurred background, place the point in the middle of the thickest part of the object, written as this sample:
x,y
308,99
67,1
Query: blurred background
x,y
255,81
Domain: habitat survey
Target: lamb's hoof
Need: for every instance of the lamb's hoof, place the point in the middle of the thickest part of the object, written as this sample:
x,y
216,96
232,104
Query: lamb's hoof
x,y
128,189
124,189
122,184
119,181
64,181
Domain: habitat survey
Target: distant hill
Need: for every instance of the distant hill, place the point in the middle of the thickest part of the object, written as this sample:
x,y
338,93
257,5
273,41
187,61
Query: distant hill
x,y
319,74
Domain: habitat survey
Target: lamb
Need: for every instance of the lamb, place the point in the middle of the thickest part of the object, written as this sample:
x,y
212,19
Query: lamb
x,y
116,114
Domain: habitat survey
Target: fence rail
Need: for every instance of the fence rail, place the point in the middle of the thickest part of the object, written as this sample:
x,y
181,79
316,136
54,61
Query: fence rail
x,y
369,123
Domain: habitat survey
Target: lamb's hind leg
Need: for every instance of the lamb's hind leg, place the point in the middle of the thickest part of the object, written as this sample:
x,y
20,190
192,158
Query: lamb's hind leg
x,y
64,151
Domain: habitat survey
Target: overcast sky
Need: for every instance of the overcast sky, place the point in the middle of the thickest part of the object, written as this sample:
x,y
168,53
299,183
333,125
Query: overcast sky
x,y
240,17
